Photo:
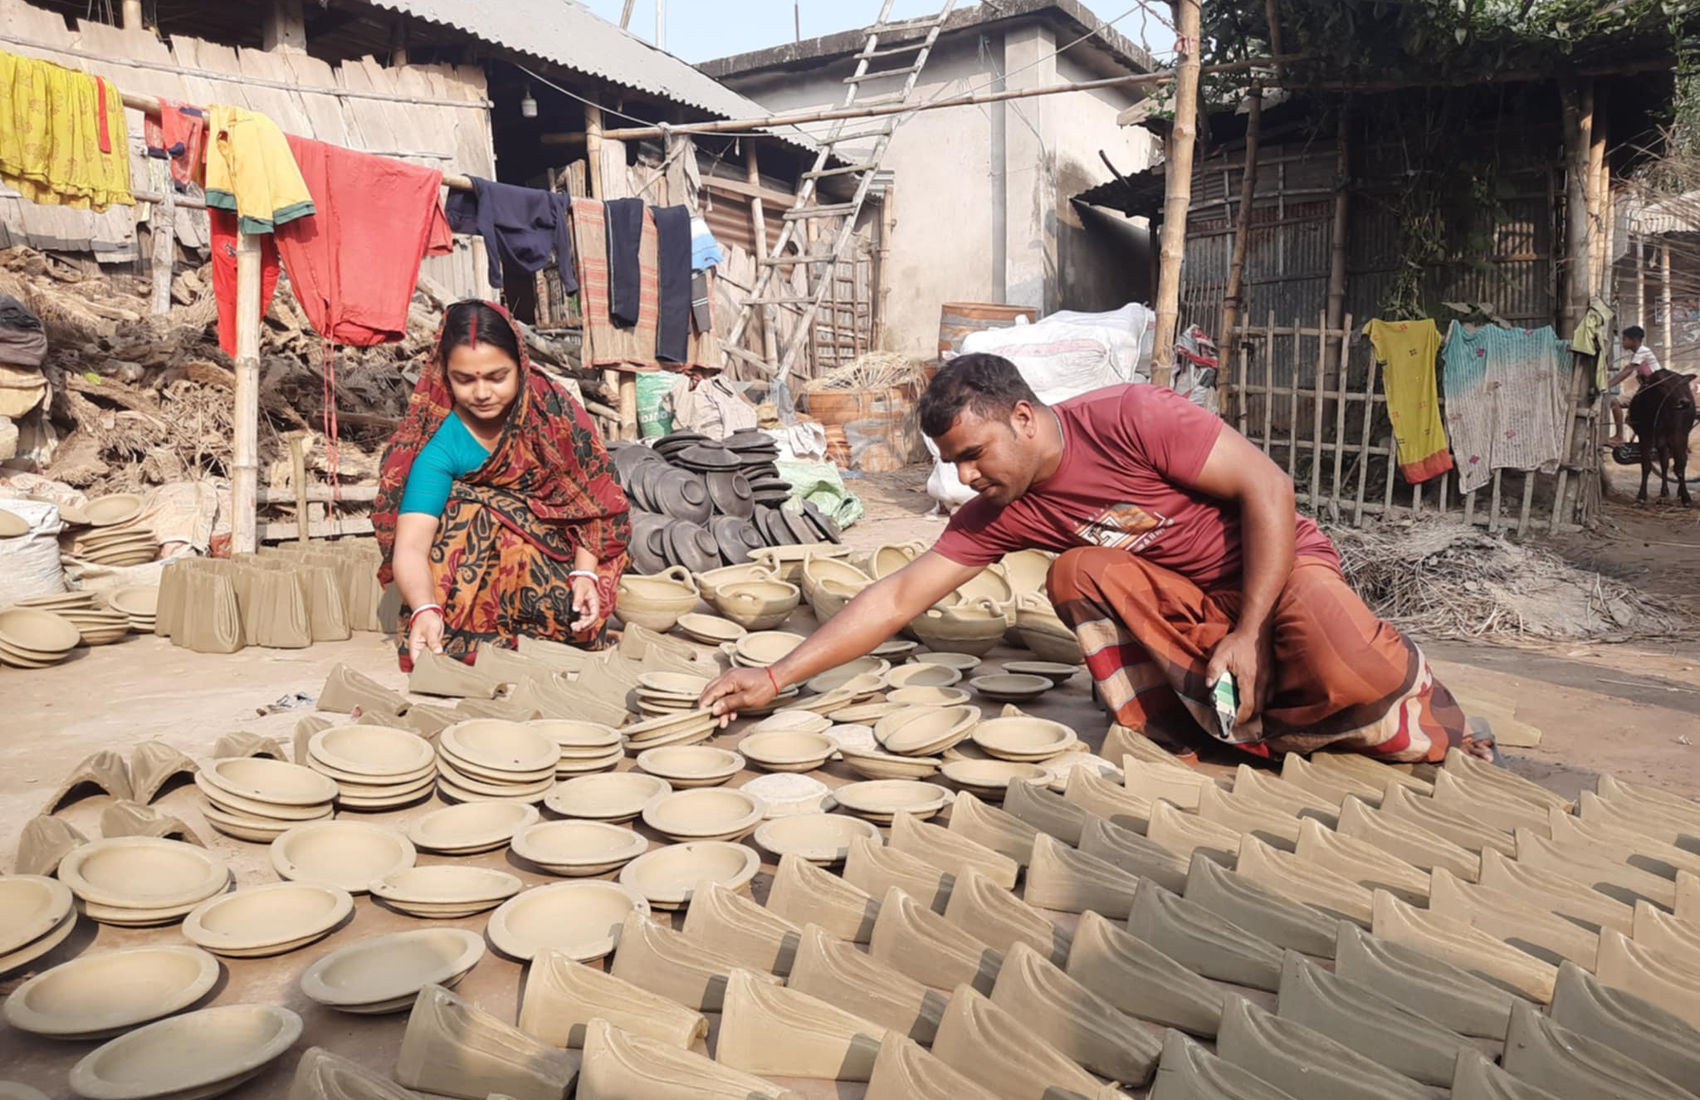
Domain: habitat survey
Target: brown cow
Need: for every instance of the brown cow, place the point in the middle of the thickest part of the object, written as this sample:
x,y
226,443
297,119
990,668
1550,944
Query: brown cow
x,y
1662,414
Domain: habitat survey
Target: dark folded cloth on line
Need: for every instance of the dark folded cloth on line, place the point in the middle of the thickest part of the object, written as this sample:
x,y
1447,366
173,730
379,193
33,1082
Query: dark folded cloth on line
x,y
673,271
23,342
702,319
523,225
625,275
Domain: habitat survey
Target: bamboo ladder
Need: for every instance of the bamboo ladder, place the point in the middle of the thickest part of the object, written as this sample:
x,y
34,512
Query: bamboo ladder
x,y
821,267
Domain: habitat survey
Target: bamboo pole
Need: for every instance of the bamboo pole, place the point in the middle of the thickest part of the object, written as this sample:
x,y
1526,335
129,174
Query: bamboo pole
x,y
1363,444
245,470
164,229
1342,212
1179,197
1232,306
1664,303
758,226
1269,384
1578,106
1339,418
1316,411
797,118
1596,192
298,479
1640,282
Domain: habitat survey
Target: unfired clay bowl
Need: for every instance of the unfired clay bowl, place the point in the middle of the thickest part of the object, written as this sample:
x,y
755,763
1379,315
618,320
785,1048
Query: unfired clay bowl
x,y
267,920
922,674
135,872
709,583
1011,687
492,745
188,1057
1024,739
879,800
792,721
863,713
656,601
927,697
260,779
834,678
366,753
709,629
470,827
788,750
758,605
961,662
98,996
686,766
30,907
581,919
667,876
616,796
578,848
445,891
680,685
818,838
1054,671
713,813
349,854
924,731
989,779
385,973
762,649
873,764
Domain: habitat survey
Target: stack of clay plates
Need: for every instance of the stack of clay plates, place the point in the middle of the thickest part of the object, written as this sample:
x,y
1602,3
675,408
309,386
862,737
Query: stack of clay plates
x,y
375,767
30,638
97,627
471,827
259,799
36,914
662,693
685,728
585,746
115,544
137,881
140,603
487,758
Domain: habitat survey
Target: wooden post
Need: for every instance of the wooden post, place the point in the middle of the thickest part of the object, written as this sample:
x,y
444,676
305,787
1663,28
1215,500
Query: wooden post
x,y
593,148
1316,412
283,27
1337,247
298,476
1578,106
882,294
1179,197
758,227
132,15
1640,282
398,42
164,222
1664,304
1232,306
245,470
1335,495
1596,192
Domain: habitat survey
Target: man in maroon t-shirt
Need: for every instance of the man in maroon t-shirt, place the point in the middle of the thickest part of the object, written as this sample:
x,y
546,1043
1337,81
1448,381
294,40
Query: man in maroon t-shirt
x,y
1181,558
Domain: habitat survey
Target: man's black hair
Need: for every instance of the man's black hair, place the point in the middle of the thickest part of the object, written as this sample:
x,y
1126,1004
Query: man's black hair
x,y
476,322
1635,332
988,384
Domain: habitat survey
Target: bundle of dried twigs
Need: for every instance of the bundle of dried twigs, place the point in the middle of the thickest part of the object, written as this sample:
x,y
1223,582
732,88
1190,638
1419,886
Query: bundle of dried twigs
x,y
874,370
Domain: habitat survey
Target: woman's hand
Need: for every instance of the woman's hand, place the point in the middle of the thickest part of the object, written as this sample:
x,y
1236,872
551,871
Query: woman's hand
x,y
425,632
587,602
738,690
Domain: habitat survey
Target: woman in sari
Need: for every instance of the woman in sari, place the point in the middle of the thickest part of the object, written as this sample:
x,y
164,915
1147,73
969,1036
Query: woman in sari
x,y
497,509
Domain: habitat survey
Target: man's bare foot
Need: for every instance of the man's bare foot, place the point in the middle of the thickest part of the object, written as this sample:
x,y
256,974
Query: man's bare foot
x,y
1478,740
1615,441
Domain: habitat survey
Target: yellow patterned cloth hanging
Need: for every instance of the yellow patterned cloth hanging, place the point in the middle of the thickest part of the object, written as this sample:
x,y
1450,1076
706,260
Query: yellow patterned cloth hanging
x,y
52,124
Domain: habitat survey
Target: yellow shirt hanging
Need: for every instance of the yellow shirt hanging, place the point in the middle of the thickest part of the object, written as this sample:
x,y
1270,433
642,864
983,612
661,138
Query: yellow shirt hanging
x,y
63,138
1408,348
251,171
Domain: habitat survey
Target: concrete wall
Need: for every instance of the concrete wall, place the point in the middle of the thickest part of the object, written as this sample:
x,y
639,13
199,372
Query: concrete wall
x,y
982,192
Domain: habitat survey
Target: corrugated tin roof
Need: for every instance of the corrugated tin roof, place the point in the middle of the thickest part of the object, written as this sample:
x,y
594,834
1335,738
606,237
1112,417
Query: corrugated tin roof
x,y
568,34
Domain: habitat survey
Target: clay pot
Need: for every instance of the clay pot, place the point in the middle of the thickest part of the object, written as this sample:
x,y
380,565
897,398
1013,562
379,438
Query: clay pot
x,y
709,583
972,626
758,605
818,569
881,799
657,601
888,559
831,595
619,796
580,919
818,838
788,750
707,814
1044,633
1023,739
1026,570
579,848
786,562
668,876
992,584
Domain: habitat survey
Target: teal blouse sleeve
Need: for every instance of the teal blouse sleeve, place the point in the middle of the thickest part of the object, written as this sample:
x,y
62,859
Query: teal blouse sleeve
x,y
452,453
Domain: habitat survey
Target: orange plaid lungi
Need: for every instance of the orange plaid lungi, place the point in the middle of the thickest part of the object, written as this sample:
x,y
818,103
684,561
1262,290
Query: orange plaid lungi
x,y
1343,678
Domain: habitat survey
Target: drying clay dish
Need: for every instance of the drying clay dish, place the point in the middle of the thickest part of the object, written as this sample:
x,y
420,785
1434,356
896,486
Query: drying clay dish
x,y
562,997
98,996
1023,739
989,778
1011,687
805,894
834,678
31,906
580,919
349,854
793,721
371,754
386,973
667,876
879,800
505,748
818,838
198,1054
788,794
705,814
873,764
470,827
271,782
923,674
445,891
145,873
686,766
927,697
788,751
267,920
925,731
614,797
578,848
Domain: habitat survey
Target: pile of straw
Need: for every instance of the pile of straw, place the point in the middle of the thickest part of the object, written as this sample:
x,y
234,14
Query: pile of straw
x,y
874,370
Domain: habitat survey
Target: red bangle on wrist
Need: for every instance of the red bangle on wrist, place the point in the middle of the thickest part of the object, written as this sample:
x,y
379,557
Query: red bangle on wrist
x,y
772,679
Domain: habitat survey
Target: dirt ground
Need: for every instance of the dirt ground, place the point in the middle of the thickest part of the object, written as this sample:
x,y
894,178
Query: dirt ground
x,y
1634,711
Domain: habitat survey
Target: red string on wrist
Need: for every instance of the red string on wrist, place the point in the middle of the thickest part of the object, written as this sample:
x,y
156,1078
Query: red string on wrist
x,y
771,679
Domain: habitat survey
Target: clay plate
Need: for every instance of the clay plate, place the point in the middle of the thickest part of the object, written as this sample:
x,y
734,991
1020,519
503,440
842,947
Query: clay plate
x,y
446,891
38,634
686,766
30,907
470,827
879,800
272,782
874,764
135,872
579,847
927,697
267,920
712,813
922,674
961,662
788,751
363,753
187,1057
1054,671
506,748
924,731
818,838
1011,687
764,647
990,778
349,854
1023,739
709,629
579,919
617,796
578,739
385,973
667,876
792,721
98,996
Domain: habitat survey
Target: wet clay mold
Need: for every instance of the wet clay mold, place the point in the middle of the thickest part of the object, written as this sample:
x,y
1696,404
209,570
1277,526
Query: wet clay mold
x,y
1567,1064
1121,742
876,868
321,1075
922,944
949,852
1659,1040
1406,841
1047,812
1595,869
1639,817
1471,950
563,996
1506,782
1249,818
1423,984
620,1065
723,920
105,771
152,765
1137,855
1070,881
1181,787
452,1048
1476,1078
101,995
1623,842
1658,931
836,972
996,1049
1201,941
1334,785
804,894
673,965
42,843
1240,901
1362,863
1140,980
1662,979
197,1054
1289,798
134,819
1543,934
1114,803
1187,1071
437,674
256,921
1072,1019
1363,1019
236,745
997,917
1304,882
346,690
1451,823
903,1071
1557,893
996,829
1305,1062
779,1032
1189,835
1507,813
